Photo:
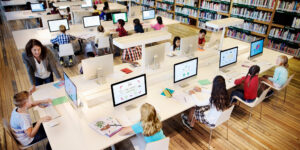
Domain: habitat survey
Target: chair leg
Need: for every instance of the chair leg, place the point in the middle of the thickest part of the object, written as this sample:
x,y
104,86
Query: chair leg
x,y
284,94
249,118
227,129
210,138
260,110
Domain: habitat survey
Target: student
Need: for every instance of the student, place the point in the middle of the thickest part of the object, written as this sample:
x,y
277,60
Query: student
x,y
251,82
121,30
101,33
176,44
201,40
159,24
63,38
96,10
23,130
40,63
103,15
280,74
54,10
138,28
209,113
150,125
69,15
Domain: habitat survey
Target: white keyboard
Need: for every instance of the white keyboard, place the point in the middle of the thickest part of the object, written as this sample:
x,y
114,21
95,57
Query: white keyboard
x,y
51,111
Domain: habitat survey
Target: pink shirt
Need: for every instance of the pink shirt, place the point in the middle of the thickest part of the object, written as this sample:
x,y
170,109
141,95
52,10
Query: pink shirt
x,y
157,26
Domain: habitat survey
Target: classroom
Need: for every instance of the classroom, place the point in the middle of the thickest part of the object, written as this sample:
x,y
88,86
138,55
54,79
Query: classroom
x,y
149,74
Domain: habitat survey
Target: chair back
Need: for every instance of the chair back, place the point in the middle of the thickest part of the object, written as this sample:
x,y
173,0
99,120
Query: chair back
x,y
162,144
7,129
261,97
103,42
66,50
288,81
224,116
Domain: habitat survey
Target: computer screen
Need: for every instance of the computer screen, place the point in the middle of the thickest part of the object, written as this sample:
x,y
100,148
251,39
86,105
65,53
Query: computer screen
x,y
228,57
185,69
118,16
256,47
37,7
129,89
88,3
70,89
91,21
54,24
148,14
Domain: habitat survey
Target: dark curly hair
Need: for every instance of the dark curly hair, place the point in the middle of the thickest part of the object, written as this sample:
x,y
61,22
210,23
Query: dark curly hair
x,y
219,95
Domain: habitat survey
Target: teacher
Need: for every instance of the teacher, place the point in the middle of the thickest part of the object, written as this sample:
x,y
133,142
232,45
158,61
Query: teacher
x,y
40,64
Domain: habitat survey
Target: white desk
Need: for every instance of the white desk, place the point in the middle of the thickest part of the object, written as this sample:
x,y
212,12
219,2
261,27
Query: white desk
x,y
24,14
17,2
113,7
75,3
73,131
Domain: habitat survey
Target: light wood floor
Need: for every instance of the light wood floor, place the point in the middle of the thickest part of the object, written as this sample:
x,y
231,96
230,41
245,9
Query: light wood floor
x,y
279,127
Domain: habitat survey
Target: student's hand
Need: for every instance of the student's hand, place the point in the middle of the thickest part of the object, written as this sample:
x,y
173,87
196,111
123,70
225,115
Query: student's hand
x,y
45,119
33,89
197,89
191,92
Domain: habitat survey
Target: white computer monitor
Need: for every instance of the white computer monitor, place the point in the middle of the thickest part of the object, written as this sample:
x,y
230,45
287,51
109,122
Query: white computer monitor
x,y
91,65
88,3
71,90
148,14
185,69
129,89
188,45
54,24
37,7
256,48
117,16
228,57
155,55
91,21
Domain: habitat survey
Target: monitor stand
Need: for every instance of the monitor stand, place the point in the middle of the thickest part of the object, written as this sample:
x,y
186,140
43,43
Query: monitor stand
x,y
100,76
155,62
91,29
183,84
130,107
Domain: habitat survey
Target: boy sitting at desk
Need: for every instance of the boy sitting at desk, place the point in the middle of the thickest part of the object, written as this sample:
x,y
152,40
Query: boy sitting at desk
x,y
63,38
201,40
121,32
23,130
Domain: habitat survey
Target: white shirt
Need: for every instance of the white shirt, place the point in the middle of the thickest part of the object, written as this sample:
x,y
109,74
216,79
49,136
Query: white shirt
x,y
41,71
174,52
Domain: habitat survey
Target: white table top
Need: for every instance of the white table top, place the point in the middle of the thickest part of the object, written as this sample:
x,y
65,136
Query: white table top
x,y
17,2
113,7
24,14
221,23
58,4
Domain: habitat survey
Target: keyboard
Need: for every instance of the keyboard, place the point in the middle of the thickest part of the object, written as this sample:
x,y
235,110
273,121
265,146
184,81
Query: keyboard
x,y
51,111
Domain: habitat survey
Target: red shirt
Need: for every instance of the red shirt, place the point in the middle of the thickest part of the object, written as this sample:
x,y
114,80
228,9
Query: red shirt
x,y
200,41
250,91
122,31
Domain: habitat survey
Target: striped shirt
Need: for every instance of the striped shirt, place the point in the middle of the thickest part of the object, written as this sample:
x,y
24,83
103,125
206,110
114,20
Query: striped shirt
x,y
19,123
62,39
132,54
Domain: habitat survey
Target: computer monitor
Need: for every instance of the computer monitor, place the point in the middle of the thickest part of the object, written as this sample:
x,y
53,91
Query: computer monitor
x,y
185,70
228,56
154,55
91,65
148,14
256,48
91,21
88,3
129,89
54,24
71,90
117,16
188,45
37,7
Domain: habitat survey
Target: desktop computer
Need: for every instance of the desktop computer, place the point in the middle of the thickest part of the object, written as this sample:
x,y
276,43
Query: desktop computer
x,y
71,91
91,21
117,16
185,70
256,49
129,90
155,55
54,24
37,7
188,45
227,57
98,67
214,42
148,14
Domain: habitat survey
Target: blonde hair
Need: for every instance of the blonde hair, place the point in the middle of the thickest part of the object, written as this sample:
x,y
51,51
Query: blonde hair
x,y
62,28
283,61
150,122
20,98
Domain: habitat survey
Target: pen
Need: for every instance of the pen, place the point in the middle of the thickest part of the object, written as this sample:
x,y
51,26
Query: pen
x,y
114,124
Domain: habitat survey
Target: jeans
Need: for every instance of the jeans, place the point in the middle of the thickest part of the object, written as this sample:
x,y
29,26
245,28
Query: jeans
x,y
239,93
39,81
40,135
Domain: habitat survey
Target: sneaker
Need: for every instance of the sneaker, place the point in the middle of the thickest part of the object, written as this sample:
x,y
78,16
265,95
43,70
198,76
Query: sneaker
x,y
185,121
61,62
270,93
70,60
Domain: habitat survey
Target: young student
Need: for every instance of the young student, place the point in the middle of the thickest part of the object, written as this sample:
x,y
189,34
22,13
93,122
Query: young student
x,y
63,38
103,14
54,10
280,74
138,28
96,11
251,82
159,24
201,40
101,33
121,30
24,131
69,15
150,125
208,112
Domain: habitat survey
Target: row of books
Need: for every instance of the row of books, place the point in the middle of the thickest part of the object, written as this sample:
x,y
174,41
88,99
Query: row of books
x,y
146,8
209,16
149,2
252,14
186,11
259,3
282,47
215,6
285,35
296,23
292,6
182,19
187,2
171,1
164,14
164,6
254,27
241,36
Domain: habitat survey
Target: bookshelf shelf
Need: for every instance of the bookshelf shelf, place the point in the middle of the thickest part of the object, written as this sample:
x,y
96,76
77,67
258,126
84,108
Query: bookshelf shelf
x,y
246,19
288,12
179,4
277,25
258,34
244,5
261,22
290,43
296,53
264,9
240,30
224,14
208,10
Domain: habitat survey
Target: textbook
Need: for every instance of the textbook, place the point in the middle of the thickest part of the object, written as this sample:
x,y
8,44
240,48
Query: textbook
x,y
107,126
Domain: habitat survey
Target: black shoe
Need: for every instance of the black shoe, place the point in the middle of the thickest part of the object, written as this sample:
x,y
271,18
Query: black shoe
x,y
185,122
270,93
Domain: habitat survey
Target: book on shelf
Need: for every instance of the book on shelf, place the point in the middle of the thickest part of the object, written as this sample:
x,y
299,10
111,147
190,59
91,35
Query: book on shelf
x,y
164,6
215,6
241,36
292,6
182,19
164,14
254,27
148,2
186,11
209,16
258,3
285,35
283,47
192,3
296,23
252,14
106,126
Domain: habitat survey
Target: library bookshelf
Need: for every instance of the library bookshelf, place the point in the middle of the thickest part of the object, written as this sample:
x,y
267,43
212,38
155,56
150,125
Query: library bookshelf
x,y
259,16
